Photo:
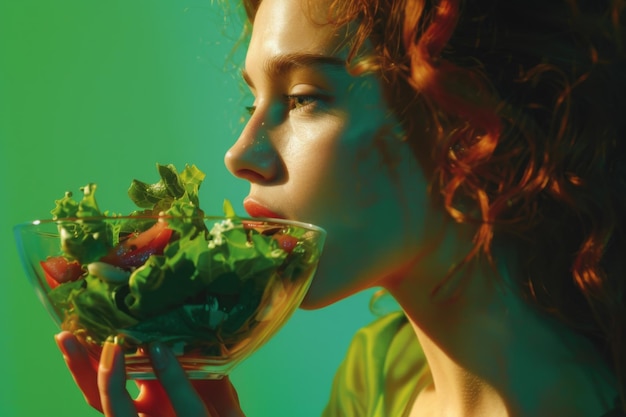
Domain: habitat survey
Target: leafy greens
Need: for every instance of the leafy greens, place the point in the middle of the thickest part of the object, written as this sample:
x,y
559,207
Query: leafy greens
x,y
207,284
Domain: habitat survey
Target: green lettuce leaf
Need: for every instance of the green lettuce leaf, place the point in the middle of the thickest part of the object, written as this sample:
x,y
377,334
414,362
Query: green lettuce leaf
x,y
91,302
88,239
172,189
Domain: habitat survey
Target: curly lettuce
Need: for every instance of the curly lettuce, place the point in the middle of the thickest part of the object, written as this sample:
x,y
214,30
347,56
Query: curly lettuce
x,y
207,284
91,238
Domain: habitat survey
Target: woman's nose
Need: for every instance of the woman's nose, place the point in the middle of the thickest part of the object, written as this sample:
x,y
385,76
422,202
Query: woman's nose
x,y
253,157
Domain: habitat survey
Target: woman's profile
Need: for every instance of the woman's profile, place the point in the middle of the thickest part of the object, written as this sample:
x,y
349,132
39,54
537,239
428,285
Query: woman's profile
x,y
469,157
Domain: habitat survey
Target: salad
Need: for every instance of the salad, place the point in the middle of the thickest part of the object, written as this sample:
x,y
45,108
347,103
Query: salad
x,y
165,273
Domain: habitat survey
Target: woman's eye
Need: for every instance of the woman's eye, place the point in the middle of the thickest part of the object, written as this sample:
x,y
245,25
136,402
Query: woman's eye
x,y
295,102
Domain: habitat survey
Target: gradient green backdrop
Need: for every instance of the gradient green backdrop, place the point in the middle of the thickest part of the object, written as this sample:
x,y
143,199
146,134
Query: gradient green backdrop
x,y
100,91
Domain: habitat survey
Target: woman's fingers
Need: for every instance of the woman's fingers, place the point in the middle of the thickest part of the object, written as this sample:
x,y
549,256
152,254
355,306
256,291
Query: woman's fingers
x,y
152,399
182,395
81,367
103,385
221,394
116,401
173,394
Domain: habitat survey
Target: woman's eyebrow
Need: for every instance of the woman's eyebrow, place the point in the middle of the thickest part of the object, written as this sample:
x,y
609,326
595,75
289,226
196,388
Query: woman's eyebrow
x,y
280,65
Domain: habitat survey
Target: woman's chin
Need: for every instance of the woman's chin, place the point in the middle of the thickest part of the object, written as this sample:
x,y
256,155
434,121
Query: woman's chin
x,y
313,302
322,294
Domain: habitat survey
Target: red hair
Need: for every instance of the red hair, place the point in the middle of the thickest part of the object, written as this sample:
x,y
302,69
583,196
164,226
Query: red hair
x,y
525,103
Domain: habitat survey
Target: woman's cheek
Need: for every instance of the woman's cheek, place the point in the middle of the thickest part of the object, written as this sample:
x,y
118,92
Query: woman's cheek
x,y
317,168
370,227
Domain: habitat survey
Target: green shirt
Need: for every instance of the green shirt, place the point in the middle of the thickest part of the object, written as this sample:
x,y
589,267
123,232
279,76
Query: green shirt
x,y
383,370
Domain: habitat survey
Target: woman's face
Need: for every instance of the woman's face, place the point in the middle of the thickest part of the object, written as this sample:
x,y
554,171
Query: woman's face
x,y
321,146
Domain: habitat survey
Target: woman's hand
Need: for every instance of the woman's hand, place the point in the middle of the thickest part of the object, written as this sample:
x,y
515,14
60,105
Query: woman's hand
x,y
171,395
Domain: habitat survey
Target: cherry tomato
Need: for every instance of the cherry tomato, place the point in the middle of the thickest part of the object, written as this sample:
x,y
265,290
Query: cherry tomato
x,y
286,242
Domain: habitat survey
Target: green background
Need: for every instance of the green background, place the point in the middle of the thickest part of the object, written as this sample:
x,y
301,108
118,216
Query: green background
x,y
101,91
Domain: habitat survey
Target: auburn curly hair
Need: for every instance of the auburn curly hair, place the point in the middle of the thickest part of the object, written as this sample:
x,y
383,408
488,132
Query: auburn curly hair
x,y
526,103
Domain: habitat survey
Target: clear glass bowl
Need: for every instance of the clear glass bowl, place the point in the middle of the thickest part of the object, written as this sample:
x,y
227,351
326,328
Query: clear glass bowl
x,y
218,290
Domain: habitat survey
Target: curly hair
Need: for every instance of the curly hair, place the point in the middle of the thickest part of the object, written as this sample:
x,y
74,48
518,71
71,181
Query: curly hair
x,y
526,103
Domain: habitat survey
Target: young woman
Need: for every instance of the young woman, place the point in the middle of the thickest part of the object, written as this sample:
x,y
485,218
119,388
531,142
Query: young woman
x,y
467,156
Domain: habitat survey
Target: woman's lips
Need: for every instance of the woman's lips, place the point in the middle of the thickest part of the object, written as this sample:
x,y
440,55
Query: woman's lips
x,y
256,209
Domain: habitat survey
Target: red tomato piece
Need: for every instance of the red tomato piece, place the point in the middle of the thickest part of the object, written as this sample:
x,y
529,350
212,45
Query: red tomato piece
x,y
286,242
134,251
58,270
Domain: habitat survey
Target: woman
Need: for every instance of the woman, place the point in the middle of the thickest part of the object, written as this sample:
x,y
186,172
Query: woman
x,y
469,158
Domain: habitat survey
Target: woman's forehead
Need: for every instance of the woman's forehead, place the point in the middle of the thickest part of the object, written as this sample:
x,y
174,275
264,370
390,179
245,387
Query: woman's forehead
x,y
296,26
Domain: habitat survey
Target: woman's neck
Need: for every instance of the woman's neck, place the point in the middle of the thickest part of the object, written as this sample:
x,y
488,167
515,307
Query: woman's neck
x,y
491,354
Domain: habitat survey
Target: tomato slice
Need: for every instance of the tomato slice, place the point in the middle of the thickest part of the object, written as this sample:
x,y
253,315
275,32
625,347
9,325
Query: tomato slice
x,y
58,270
134,252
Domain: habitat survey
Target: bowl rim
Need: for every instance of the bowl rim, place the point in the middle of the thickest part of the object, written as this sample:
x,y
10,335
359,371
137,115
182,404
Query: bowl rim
x,y
286,222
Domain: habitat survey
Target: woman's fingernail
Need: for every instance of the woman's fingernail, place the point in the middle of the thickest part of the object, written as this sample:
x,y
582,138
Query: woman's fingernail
x,y
67,347
107,357
160,356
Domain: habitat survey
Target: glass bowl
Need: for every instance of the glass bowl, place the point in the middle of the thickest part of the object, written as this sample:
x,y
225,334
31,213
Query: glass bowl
x,y
214,289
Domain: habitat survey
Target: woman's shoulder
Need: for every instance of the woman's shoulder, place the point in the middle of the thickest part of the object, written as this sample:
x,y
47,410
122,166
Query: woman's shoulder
x,y
382,369
383,329
387,341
